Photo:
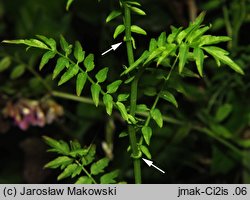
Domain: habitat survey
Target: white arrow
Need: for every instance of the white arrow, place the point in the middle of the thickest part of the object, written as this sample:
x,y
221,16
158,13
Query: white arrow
x,y
113,47
150,163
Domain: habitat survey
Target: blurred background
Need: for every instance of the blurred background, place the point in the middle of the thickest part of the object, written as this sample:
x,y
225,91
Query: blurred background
x,y
205,140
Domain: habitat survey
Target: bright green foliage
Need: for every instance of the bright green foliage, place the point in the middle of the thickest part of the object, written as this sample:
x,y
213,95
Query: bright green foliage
x,y
49,41
46,57
101,76
60,161
80,82
183,54
113,87
98,167
73,159
69,74
60,65
145,151
138,30
147,133
122,110
68,67
84,180
31,43
113,15
119,29
221,55
167,57
66,47
157,116
199,59
108,101
182,43
89,62
169,97
137,10
78,52
122,97
95,91
109,178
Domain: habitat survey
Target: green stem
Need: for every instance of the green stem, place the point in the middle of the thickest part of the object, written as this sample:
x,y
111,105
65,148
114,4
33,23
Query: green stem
x,y
133,97
73,97
86,172
86,100
219,139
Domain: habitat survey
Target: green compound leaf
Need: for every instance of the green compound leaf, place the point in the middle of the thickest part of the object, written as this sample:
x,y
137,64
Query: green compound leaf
x,y
80,82
109,178
98,167
60,65
68,171
199,59
157,116
17,71
138,30
78,52
89,62
59,161
145,151
147,133
183,55
95,92
119,29
108,102
69,74
84,180
45,59
113,87
113,15
101,76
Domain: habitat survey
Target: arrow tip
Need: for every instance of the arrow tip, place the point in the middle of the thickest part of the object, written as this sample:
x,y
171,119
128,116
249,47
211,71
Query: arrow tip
x,y
115,46
148,162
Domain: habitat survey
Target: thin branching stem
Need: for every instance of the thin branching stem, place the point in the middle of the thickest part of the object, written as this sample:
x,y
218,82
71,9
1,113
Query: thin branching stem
x,y
133,95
